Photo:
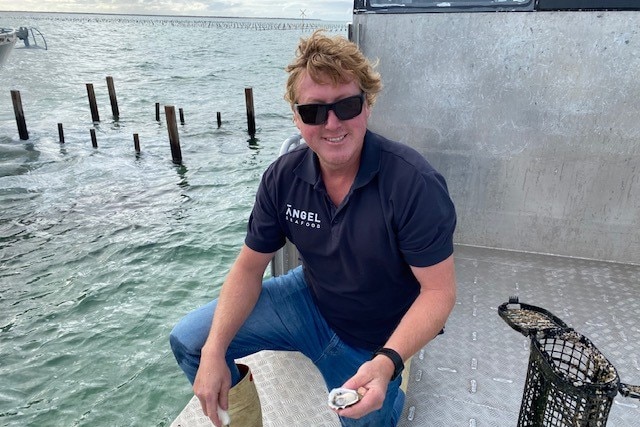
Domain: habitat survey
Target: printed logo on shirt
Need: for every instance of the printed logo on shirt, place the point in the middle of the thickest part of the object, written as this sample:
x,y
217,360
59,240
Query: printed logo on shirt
x,y
302,217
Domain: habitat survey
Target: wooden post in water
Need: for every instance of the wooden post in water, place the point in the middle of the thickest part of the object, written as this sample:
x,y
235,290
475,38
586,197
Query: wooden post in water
x,y
136,143
92,103
174,138
94,141
181,116
112,97
157,111
251,118
61,133
219,119
17,109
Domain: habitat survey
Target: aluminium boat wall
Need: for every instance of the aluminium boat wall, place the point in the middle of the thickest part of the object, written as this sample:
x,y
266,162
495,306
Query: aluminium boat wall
x,y
533,118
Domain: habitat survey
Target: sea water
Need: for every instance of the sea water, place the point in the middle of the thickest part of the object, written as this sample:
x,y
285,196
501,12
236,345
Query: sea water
x,y
102,250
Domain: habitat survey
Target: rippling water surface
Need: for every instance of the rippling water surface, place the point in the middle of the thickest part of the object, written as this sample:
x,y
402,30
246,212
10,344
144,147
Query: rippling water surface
x,y
103,250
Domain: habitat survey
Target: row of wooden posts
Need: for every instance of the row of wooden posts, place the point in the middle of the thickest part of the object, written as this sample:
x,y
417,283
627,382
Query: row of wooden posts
x,y
172,126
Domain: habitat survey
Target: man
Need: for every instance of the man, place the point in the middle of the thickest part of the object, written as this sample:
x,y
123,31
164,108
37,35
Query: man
x,y
373,223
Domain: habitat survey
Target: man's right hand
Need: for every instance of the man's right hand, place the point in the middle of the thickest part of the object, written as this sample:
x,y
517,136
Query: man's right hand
x,y
238,297
212,385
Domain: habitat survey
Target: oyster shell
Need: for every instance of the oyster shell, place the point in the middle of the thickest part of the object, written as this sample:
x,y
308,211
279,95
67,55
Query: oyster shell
x,y
224,417
340,398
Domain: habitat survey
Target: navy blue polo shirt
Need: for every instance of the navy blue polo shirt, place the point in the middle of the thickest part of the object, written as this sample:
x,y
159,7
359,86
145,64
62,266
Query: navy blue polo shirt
x,y
357,256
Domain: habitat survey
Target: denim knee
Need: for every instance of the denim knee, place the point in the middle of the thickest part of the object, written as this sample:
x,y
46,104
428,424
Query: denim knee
x,y
177,347
188,359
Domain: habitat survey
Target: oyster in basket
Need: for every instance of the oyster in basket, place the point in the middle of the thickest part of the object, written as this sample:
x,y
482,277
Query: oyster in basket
x,y
340,398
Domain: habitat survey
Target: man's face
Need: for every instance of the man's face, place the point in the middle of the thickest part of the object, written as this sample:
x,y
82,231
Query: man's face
x,y
338,143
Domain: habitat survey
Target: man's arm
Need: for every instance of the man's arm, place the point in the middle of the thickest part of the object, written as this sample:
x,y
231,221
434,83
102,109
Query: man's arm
x,y
420,324
238,296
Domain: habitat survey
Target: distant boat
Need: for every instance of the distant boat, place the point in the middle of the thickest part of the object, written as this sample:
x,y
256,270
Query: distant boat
x,y
32,38
8,39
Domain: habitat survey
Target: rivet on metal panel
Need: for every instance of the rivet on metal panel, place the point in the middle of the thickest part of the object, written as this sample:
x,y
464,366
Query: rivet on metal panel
x,y
474,363
475,280
475,311
627,405
599,325
412,413
474,386
421,355
419,375
475,298
474,336
517,287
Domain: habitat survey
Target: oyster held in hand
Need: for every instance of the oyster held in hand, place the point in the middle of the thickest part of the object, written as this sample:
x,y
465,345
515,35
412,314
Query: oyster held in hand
x,y
224,417
340,398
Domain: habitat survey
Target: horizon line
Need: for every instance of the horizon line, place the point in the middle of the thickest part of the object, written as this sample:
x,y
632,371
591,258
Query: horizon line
x,y
161,15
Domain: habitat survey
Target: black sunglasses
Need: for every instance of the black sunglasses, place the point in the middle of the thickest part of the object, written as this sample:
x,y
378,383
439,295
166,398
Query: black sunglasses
x,y
318,114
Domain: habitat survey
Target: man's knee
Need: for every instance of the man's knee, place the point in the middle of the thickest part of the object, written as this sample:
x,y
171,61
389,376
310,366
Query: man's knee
x,y
177,347
183,342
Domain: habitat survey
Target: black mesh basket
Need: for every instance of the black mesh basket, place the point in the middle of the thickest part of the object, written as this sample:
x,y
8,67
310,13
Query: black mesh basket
x,y
569,381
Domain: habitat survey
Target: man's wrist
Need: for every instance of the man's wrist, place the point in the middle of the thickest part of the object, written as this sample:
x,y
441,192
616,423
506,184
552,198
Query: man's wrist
x,y
394,356
212,351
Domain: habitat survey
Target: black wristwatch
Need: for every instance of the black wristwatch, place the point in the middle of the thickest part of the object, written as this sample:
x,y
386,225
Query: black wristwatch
x,y
395,358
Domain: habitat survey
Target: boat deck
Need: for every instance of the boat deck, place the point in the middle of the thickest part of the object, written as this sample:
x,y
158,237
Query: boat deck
x,y
474,374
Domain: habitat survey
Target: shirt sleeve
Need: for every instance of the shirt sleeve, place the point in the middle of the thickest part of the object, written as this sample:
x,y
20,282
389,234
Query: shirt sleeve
x,y
264,232
426,220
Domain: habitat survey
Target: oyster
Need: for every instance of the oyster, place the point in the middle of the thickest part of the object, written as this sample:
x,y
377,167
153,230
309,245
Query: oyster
x,y
340,398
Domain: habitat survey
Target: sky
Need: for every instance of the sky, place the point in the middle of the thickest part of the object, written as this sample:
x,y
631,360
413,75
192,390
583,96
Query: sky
x,y
329,10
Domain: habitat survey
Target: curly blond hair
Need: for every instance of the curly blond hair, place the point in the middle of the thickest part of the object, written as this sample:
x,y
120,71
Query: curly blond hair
x,y
333,60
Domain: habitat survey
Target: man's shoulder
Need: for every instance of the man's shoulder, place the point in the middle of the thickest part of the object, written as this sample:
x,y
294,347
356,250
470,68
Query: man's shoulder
x,y
400,156
288,168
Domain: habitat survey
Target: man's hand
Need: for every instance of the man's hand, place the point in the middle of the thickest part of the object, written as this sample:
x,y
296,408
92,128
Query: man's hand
x,y
212,385
238,296
371,381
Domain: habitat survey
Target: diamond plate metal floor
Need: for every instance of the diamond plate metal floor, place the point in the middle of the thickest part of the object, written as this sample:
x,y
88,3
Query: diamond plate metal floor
x,y
474,374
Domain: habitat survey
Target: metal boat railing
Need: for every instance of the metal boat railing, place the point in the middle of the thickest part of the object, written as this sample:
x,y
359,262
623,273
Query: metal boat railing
x,y
287,257
30,37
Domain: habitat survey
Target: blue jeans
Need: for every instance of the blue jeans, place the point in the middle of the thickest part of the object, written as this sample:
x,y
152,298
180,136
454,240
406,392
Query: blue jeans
x,y
286,318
